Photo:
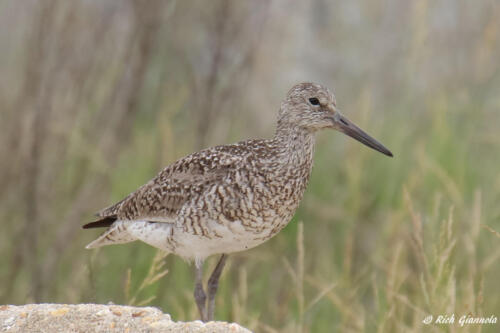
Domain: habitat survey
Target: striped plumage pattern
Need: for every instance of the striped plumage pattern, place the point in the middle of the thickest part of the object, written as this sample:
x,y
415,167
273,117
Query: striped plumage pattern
x,y
250,189
227,198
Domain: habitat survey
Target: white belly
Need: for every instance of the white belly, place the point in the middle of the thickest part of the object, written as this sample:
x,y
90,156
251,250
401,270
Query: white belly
x,y
168,237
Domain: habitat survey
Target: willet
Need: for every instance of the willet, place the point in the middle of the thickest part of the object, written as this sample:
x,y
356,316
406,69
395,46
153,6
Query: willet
x,y
229,198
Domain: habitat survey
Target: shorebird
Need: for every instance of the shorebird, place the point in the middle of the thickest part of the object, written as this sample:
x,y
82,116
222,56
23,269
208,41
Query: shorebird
x,y
229,198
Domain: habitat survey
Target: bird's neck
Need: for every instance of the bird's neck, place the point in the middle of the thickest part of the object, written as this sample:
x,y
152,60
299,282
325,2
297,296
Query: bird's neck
x,y
296,145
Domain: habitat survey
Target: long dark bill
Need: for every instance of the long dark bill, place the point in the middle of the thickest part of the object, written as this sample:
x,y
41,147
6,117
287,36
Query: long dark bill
x,y
347,127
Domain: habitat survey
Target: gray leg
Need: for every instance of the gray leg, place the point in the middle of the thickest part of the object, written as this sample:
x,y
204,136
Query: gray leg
x,y
199,293
213,284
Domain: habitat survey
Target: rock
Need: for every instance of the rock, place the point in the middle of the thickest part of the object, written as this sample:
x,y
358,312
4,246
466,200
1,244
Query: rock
x,y
100,318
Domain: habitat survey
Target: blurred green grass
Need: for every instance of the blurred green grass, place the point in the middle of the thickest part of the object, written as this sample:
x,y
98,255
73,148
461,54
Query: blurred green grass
x,y
358,235
93,105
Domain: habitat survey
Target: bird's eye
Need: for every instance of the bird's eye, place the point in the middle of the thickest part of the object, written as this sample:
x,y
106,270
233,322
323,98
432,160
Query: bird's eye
x,y
314,101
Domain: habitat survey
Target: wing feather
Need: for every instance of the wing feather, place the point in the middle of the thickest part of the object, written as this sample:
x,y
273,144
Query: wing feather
x,y
161,199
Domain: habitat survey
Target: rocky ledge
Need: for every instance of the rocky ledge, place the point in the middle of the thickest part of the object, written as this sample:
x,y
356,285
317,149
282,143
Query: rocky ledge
x,y
100,318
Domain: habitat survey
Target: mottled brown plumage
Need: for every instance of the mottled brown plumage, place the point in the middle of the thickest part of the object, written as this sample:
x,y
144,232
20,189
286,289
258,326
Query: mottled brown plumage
x,y
232,197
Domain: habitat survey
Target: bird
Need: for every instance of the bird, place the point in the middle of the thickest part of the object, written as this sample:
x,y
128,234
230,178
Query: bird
x,y
229,198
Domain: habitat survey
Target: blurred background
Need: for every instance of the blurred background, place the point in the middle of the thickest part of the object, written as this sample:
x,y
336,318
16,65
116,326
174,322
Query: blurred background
x,y
97,96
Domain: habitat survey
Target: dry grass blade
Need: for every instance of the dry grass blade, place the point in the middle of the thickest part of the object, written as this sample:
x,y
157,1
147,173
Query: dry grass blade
x,y
128,281
320,295
156,271
404,299
146,301
417,235
490,229
290,270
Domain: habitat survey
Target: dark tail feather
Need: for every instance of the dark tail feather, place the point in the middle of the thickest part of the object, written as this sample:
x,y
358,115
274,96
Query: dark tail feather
x,y
102,223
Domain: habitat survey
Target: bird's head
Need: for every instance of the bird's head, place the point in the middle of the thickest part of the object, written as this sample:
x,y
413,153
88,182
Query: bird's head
x,y
312,107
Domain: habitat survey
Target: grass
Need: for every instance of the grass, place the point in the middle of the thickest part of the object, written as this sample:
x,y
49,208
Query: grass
x,y
377,244
369,255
